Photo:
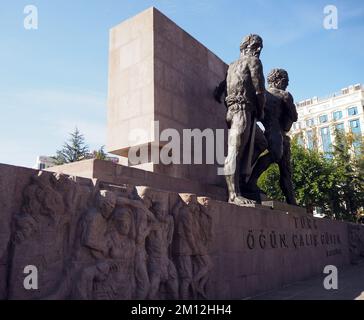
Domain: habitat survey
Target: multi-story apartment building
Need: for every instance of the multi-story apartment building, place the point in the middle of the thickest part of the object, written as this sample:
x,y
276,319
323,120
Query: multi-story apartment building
x,y
44,162
318,117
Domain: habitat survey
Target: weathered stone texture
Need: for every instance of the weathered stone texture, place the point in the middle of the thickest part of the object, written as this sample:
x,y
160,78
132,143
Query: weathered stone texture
x,y
158,72
93,239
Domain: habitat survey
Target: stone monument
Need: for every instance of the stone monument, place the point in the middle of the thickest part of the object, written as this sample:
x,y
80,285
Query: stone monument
x,y
160,77
96,230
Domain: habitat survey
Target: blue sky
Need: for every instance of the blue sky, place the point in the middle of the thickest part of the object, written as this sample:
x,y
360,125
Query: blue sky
x,y
55,78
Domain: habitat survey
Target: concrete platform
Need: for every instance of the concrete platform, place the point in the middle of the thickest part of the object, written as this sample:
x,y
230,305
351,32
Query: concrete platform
x,y
350,287
281,206
107,171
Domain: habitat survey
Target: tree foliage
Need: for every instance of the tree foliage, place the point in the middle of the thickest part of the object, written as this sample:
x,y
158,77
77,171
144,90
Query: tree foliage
x,y
100,154
334,184
348,159
75,149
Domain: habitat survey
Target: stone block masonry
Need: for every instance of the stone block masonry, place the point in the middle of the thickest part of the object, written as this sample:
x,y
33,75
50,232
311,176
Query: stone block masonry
x,y
158,72
87,239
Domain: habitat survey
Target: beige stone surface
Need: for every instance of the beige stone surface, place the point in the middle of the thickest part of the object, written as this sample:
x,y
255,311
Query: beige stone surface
x,y
144,174
131,76
282,206
85,247
158,72
120,174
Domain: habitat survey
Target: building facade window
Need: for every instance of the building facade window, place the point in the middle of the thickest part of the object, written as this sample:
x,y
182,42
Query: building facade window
x,y
309,134
355,126
323,118
352,111
326,139
340,127
337,115
300,140
310,122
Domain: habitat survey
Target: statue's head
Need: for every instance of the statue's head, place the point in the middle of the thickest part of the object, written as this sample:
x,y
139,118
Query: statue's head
x,y
191,201
25,227
252,45
122,219
146,195
159,211
205,201
106,202
278,78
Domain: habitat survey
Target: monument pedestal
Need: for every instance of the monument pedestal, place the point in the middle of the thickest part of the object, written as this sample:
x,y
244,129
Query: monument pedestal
x,y
285,207
112,173
238,251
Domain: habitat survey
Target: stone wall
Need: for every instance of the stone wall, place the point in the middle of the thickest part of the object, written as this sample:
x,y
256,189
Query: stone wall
x,y
131,80
120,174
158,72
257,250
90,239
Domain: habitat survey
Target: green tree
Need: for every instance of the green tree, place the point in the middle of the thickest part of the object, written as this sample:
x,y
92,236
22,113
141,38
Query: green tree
x,y
100,154
311,177
348,190
75,149
269,183
335,184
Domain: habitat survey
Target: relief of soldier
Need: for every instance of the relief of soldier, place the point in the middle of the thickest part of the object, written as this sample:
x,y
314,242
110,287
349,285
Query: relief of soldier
x,y
124,245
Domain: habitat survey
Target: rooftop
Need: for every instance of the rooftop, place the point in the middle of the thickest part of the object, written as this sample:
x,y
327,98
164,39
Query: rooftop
x,y
342,92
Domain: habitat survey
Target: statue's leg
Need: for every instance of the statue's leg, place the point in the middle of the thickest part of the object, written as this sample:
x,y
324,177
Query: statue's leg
x,y
285,169
172,282
260,144
185,273
240,125
154,277
231,168
262,165
275,146
275,142
141,274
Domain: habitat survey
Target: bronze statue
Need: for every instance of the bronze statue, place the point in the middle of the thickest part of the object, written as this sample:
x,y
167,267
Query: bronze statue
x,y
245,101
280,114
